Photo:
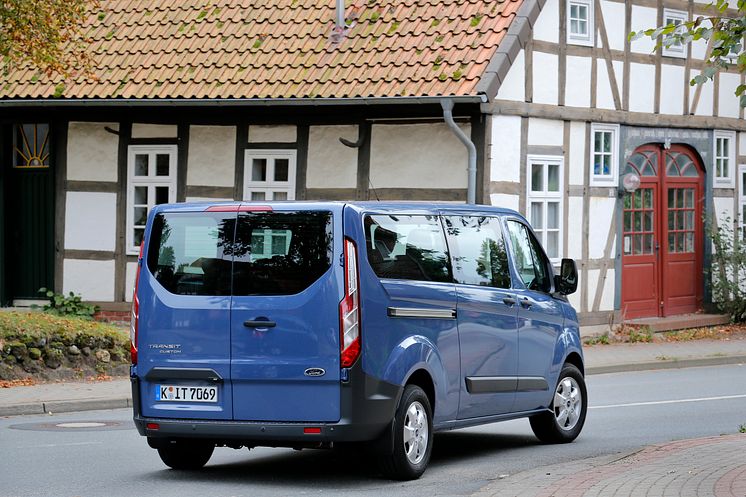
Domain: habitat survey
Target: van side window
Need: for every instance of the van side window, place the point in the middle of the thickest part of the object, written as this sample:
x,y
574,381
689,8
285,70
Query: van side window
x,y
407,247
479,251
281,253
189,253
530,261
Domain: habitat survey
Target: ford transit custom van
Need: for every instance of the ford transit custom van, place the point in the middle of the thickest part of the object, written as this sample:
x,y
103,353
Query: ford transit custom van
x,y
311,324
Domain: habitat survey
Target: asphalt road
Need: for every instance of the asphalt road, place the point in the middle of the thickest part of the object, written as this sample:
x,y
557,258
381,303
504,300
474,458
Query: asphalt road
x,y
628,411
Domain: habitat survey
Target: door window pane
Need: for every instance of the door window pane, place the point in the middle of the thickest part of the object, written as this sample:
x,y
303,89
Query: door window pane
x,y
162,162
141,216
481,257
407,247
257,196
259,170
537,177
553,215
161,194
141,195
141,164
281,169
553,181
537,215
279,195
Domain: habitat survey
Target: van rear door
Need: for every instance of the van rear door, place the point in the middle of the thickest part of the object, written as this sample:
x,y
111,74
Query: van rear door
x,y
184,324
287,285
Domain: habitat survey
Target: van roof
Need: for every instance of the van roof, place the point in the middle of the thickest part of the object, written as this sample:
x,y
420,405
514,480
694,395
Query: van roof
x,y
362,206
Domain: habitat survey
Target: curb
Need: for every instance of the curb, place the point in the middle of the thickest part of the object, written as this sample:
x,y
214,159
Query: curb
x,y
667,364
59,406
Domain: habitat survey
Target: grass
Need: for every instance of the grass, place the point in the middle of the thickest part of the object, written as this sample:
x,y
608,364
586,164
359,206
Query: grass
x,y
643,334
742,429
30,327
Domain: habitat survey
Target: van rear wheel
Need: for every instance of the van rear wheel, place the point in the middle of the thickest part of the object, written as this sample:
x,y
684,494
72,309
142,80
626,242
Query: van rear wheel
x,y
565,420
413,437
186,455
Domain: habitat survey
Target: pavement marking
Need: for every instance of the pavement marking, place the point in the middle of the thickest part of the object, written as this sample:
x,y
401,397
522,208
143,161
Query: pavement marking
x,y
677,401
46,446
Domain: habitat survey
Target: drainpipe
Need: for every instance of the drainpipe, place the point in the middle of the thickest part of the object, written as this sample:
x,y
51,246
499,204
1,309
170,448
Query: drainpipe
x,y
471,189
340,14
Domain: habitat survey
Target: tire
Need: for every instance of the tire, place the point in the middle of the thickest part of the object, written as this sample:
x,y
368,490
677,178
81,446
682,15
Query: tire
x,y
566,417
413,437
186,455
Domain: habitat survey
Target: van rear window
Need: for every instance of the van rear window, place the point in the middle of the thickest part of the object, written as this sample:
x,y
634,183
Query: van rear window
x,y
281,253
190,253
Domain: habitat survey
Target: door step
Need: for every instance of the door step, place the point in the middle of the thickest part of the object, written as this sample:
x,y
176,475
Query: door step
x,y
680,322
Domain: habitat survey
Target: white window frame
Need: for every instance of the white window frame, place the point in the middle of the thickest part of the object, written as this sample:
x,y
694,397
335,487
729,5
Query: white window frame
x,y
576,39
612,178
741,201
671,16
727,181
269,186
544,198
150,181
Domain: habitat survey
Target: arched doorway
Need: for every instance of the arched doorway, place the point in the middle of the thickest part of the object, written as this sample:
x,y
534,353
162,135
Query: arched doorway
x,y
662,233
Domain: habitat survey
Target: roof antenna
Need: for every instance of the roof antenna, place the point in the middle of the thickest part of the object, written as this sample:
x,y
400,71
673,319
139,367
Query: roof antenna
x,y
373,189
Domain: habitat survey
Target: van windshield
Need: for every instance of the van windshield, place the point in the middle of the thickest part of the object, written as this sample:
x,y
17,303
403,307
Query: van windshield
x,y
267,253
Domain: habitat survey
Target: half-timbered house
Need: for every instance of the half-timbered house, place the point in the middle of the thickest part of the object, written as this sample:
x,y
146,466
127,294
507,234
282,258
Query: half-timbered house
x,y
543,106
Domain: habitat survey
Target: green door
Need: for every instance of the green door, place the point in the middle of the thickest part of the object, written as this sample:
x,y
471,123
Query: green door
x,y
29,213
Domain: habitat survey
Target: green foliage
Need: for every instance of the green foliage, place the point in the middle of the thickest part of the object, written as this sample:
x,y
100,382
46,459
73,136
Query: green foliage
x,y
47,34
721,29
728,271
742,429
68,305
602,339
38,329
642,334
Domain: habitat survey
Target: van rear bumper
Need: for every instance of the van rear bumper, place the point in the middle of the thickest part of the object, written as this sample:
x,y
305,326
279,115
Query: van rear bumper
x,y
367,406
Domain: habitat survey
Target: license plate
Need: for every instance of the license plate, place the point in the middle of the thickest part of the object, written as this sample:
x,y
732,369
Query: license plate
x,y
186,393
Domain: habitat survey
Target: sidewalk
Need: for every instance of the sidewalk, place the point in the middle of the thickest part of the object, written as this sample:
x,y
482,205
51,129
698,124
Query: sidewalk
x,y
704,466
71,397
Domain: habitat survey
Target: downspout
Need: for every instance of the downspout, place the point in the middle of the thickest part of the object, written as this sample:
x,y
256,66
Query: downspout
x,y
340,14
471,170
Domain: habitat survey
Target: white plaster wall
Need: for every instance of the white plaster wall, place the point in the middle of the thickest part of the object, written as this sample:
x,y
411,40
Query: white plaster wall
x,y
607,298
574,298
92,152
208,199
614,21
723,209
93,280
592,284
505,151
578,82
704,108
575,227
599,220
672,90
274,133
642,18
545,78
90,221
604,95
514,86
142,130
417,156
505,200
330,163
577,152
130,280
742,144
212,155
728,105
545,132
698,49
642,87
545,27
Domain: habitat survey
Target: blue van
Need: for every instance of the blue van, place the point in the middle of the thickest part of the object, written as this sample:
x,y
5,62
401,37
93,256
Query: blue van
x,y
310,324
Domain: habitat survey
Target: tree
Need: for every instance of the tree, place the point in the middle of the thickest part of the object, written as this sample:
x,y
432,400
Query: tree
x,y
47,34
725,35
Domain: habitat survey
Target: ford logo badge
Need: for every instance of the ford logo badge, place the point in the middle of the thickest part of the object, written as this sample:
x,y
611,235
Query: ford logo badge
x,y
314,372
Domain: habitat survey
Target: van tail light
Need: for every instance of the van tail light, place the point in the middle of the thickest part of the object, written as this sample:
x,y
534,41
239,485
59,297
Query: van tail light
x,y
134,319
349,309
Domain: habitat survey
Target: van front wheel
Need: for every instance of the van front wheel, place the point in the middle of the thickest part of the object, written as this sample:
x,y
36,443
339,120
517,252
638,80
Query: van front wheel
x,y
563,423
413,437
188,455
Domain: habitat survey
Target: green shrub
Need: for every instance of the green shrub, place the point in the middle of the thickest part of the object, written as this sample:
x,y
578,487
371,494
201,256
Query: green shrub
x,y
728,271
68,305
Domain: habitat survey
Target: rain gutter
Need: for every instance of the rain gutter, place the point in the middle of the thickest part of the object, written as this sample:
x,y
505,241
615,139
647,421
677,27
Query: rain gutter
x,y
471,169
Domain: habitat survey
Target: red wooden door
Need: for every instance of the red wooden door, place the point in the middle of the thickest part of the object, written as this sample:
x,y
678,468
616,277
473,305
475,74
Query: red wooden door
x,y
662,235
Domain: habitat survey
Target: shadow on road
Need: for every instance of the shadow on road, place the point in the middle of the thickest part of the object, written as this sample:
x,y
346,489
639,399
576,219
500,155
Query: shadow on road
x,y
343,468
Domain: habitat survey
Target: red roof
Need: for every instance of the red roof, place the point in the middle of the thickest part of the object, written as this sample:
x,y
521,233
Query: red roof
x,y
287,49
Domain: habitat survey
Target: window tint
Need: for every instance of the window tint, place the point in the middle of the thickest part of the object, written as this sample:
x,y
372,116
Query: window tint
x,y
530,262
281,253
407,247
190,254
479,251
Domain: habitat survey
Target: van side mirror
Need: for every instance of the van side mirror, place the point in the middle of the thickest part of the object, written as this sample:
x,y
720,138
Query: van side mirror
x,y
567,281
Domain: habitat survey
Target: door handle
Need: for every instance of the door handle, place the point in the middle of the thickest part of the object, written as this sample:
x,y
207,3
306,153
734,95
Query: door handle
x,y
526,304
259,323
509,301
